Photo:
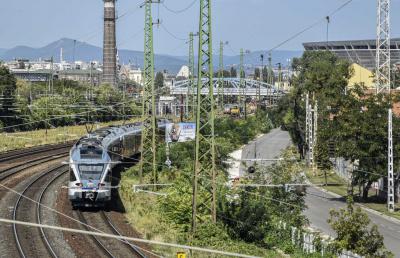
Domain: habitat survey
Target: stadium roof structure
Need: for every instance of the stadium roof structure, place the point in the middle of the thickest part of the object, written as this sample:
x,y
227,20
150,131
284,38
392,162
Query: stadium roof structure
x,y
362,52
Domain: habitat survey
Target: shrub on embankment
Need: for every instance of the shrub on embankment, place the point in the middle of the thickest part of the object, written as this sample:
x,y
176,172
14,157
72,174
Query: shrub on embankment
x,y
247,217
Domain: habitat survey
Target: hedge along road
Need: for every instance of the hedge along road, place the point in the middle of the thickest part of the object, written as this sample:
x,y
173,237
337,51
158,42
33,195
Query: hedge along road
x,y
319,203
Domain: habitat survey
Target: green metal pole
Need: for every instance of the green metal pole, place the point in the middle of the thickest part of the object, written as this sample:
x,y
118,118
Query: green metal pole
x,y
242,95
205,145
191,89
221,76
149,125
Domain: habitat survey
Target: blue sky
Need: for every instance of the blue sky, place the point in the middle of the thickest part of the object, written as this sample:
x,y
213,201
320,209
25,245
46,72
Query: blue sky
x,y
251,24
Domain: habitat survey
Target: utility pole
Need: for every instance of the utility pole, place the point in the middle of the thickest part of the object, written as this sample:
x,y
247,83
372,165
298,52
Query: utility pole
x,y
315,136
280,77
307,120
149,124
270,76
328,21
204,166
190,99
242,93
221,76
383,65
259,85
390,190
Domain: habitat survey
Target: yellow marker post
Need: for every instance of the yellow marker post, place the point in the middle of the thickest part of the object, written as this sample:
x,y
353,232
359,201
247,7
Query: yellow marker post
x,y
181,255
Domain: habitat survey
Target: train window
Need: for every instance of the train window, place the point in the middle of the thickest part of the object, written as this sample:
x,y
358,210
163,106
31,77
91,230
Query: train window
x,y
91,172
72,176
91,152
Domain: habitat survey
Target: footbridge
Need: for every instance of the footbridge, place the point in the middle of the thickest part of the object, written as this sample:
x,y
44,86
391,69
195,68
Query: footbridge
x,y
232,87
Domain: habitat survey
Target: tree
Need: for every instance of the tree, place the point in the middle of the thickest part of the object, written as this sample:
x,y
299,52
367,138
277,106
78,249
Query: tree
x,y
324,77
8,86
109,98
363,140
159,83
355,234
233,72
226,74
257,74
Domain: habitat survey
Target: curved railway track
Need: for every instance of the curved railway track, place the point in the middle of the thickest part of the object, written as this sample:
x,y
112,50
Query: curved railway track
x,y
110,247
116,232
39,216
31,242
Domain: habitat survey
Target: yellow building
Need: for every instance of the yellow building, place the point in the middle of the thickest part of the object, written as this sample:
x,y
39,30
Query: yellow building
x,y
361,76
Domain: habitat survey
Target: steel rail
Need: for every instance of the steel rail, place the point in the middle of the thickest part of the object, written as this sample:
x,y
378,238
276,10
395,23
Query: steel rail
x,y
18,202
133,248
38,209
15,154
97,241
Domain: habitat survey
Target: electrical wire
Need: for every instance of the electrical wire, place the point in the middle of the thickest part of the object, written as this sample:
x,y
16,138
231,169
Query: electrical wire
x,y
173,35
140,240
181,10
310,26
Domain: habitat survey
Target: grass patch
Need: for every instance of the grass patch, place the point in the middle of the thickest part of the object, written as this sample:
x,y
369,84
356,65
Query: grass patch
x,y
20,140
338,186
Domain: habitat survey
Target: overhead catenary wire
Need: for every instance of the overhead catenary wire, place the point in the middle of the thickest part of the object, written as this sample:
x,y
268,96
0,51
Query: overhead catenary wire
x,y
173,35
310,26
181,10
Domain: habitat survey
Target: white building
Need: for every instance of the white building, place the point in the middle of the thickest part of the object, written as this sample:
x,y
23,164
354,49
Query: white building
x,y
131,73
184,72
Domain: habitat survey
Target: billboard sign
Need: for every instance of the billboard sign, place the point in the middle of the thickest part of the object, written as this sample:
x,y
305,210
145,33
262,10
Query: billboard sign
x,y
180,132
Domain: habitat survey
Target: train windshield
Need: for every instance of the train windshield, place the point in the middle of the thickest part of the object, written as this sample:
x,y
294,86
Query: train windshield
x,y
91,152
91,172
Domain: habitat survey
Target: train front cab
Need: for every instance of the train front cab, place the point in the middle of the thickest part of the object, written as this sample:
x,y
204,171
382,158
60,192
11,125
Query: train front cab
x,y
90,183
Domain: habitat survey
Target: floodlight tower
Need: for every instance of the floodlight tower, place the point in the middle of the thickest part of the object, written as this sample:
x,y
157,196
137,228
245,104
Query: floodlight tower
x,y
109,44
204,180
383,65
148,156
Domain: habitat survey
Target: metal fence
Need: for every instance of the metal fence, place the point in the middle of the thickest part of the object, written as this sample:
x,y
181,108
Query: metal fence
x,y
312,242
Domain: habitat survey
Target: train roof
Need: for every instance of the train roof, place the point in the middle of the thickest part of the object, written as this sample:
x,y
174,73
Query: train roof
x,y
103,137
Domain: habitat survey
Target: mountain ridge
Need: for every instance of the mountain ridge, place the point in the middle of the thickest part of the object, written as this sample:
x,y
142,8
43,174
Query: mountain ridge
x,y
87,52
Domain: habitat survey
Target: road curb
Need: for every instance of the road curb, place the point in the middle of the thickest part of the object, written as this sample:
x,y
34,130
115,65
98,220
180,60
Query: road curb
x,y
397,221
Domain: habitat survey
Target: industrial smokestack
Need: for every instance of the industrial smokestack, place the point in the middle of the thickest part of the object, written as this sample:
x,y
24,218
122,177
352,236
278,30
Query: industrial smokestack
x,y
109,44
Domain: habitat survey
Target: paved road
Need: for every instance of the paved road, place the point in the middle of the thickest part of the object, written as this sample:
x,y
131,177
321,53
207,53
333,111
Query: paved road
x,y
319,203
268,146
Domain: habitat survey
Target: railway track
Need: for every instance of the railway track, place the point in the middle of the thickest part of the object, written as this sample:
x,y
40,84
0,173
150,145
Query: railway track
x,y
116,232
31,242
110,247
17,154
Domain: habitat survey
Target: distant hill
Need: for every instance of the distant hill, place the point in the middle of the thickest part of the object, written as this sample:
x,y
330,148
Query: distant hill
x,y
86,52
